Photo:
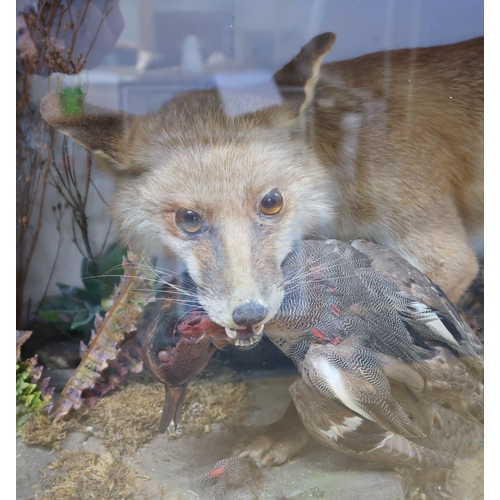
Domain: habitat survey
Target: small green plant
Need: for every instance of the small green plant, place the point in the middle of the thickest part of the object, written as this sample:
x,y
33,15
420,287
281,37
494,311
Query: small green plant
x,y
74,311
32,394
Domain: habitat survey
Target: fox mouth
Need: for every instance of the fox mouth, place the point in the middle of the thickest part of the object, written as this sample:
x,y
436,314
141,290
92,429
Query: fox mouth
x,y
245,337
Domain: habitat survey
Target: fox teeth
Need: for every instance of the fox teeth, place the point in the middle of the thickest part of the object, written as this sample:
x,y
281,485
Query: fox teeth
x,y
246,343
232,334
258,330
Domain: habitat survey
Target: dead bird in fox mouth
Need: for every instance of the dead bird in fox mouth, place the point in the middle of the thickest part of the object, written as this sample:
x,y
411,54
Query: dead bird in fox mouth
x,y
177,350
178,346
378,345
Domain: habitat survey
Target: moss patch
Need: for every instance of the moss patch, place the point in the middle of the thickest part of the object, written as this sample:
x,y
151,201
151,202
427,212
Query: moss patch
x,y
42,431
87,476
129,418
210,403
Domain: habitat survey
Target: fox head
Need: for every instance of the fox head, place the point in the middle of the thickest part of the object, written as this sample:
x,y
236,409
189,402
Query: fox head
x,y
229,195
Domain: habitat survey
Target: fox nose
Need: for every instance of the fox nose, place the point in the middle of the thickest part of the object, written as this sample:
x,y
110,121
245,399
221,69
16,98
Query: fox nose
x,y
249,314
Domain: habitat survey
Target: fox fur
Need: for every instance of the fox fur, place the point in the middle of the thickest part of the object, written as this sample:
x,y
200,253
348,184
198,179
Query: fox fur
x,y
386,147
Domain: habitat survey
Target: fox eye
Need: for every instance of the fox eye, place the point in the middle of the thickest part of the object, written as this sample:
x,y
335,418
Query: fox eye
x,y
188,220
272,202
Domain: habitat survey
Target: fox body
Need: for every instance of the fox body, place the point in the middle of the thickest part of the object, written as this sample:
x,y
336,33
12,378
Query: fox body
x,y
387,147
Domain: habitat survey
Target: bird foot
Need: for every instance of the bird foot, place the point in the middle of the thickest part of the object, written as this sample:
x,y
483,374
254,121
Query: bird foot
x,y
232,472
276,443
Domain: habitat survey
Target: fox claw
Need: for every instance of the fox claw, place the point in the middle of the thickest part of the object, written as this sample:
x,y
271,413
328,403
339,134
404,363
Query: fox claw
x,y
276,443
266,451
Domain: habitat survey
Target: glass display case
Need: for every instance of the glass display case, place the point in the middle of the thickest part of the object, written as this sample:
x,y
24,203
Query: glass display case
x,y
106,167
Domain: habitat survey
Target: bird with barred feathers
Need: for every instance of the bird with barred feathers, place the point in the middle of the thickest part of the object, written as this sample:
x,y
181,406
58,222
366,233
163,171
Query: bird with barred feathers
x,y
379,347
231,472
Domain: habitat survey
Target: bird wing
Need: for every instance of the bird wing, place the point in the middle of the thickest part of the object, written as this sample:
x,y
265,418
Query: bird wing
x,y
352,375
453,366
369,330
334,425
429,303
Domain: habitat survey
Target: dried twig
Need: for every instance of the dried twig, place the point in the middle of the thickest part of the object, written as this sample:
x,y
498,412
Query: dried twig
x,y
40,52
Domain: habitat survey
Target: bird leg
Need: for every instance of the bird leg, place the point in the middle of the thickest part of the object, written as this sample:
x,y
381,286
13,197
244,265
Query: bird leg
x,y
172,408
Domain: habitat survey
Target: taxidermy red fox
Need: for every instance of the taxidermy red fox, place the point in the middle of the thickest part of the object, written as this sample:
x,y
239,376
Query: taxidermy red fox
x,y
386,147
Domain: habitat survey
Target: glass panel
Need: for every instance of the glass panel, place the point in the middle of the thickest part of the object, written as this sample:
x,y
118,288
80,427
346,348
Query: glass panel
x,y
250,249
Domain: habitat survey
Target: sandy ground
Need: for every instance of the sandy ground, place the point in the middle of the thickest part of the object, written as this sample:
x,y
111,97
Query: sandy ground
x,y
171,469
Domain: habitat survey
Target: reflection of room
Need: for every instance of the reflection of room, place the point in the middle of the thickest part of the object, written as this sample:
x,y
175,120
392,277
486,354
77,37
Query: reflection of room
x,y
221,38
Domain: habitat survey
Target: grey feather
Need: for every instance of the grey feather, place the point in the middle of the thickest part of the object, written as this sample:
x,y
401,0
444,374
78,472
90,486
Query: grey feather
x,y
335,426
372,334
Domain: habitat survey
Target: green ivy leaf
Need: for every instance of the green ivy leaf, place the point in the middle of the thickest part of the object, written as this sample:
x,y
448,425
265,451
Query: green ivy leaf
x,y
92,280
85,318
50,316
59,309
110,264
101,277
63,304
79,295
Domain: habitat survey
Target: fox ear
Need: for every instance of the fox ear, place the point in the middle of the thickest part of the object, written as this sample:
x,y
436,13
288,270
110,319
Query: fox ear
x,y
102,131
296,80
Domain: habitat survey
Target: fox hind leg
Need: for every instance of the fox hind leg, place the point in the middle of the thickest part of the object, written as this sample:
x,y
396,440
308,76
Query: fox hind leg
x,y
277,442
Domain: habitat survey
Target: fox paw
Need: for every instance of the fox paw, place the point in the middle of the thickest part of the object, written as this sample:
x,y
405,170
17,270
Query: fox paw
x,y
277,443
231,472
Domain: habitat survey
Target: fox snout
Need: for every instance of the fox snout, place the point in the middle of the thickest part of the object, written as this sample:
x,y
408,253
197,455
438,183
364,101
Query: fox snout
x,y
240,287
244,323
250,314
